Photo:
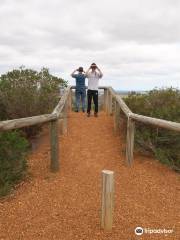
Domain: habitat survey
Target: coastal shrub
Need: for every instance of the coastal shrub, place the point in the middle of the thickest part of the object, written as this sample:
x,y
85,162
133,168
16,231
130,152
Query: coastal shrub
x,y
164,104
26,92
23,93
13,163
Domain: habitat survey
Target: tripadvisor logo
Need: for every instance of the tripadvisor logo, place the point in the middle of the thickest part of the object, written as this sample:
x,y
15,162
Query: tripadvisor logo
x,y
139,231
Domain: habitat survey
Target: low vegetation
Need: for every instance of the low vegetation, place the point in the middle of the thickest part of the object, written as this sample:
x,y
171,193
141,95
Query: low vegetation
x,y
164,104
23,93
13,164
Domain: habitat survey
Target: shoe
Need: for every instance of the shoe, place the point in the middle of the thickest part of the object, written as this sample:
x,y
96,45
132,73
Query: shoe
x,y
83,110
96,114
76,110
88,114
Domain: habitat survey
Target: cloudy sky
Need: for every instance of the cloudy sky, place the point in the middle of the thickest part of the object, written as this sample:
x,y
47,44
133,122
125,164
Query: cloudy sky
x,y
136,43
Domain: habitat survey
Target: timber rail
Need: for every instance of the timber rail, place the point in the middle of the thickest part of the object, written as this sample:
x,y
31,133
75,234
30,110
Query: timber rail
x,y
113,103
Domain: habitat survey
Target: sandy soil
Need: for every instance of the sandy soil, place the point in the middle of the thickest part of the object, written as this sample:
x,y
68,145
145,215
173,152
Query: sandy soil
x,y
66,205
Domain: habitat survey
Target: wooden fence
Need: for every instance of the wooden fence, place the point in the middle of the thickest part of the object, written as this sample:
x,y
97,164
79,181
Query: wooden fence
x,y
60,114
110,96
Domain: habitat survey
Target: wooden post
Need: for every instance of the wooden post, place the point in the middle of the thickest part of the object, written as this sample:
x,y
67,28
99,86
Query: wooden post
x,y
65,118
70,100
107,199
105,99
130,141
60,121
54,146
109,103
116,116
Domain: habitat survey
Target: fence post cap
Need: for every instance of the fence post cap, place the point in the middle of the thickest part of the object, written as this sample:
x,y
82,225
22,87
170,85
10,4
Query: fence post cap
x,y
107,172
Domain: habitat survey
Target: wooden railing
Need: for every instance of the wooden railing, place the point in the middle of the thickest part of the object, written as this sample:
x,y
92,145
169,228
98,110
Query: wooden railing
x,y
110,96
59,114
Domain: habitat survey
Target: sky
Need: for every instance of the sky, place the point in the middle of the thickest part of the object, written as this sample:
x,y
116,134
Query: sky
x,y
136,43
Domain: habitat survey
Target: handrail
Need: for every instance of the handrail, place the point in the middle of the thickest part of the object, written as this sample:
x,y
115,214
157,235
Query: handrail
x,y
110,94
29,121
141,118
100,87
60,111
25,122
174,126
120,101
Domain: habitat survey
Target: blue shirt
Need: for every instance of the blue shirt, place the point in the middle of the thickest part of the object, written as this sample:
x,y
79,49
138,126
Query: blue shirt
x,y
80,80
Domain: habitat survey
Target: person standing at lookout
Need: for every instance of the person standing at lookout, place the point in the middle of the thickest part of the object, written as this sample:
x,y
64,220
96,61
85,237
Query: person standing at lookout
x,y
93,74
80,93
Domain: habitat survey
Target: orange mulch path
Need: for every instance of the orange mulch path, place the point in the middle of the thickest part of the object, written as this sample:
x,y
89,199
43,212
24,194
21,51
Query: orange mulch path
x,y
66,205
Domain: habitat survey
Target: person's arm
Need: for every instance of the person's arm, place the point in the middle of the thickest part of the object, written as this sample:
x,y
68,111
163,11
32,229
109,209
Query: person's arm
x,y
100,73
73,73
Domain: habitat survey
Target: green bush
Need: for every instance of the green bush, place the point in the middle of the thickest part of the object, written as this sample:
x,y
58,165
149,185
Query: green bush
x,y
163,104
26,93
13,164
23,93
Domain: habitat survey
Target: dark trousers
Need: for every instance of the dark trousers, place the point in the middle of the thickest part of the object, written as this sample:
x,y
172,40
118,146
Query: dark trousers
x,y
92,94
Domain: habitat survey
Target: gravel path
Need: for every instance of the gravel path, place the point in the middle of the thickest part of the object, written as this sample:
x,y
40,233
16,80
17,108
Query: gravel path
x,y
66,205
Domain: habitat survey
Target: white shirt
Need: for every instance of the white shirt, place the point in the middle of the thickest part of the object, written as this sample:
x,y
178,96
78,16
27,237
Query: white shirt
x,y
93,80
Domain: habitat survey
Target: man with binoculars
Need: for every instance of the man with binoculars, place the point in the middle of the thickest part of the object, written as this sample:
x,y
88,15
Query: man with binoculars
x,y
80,92
93,74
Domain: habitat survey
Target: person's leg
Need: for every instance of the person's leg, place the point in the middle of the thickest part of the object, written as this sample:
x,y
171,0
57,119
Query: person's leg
x,y
83,98
77,100
95,100
89,98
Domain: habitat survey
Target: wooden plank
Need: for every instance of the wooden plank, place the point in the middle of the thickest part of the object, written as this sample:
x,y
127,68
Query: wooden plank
x,y
112,91
26,122
148,120
70,100
110,102
30,121
100,87
105,100
107,206
65,119
54,142
58,109
120,101
130,141
60,126
123,106
116,117
174,126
